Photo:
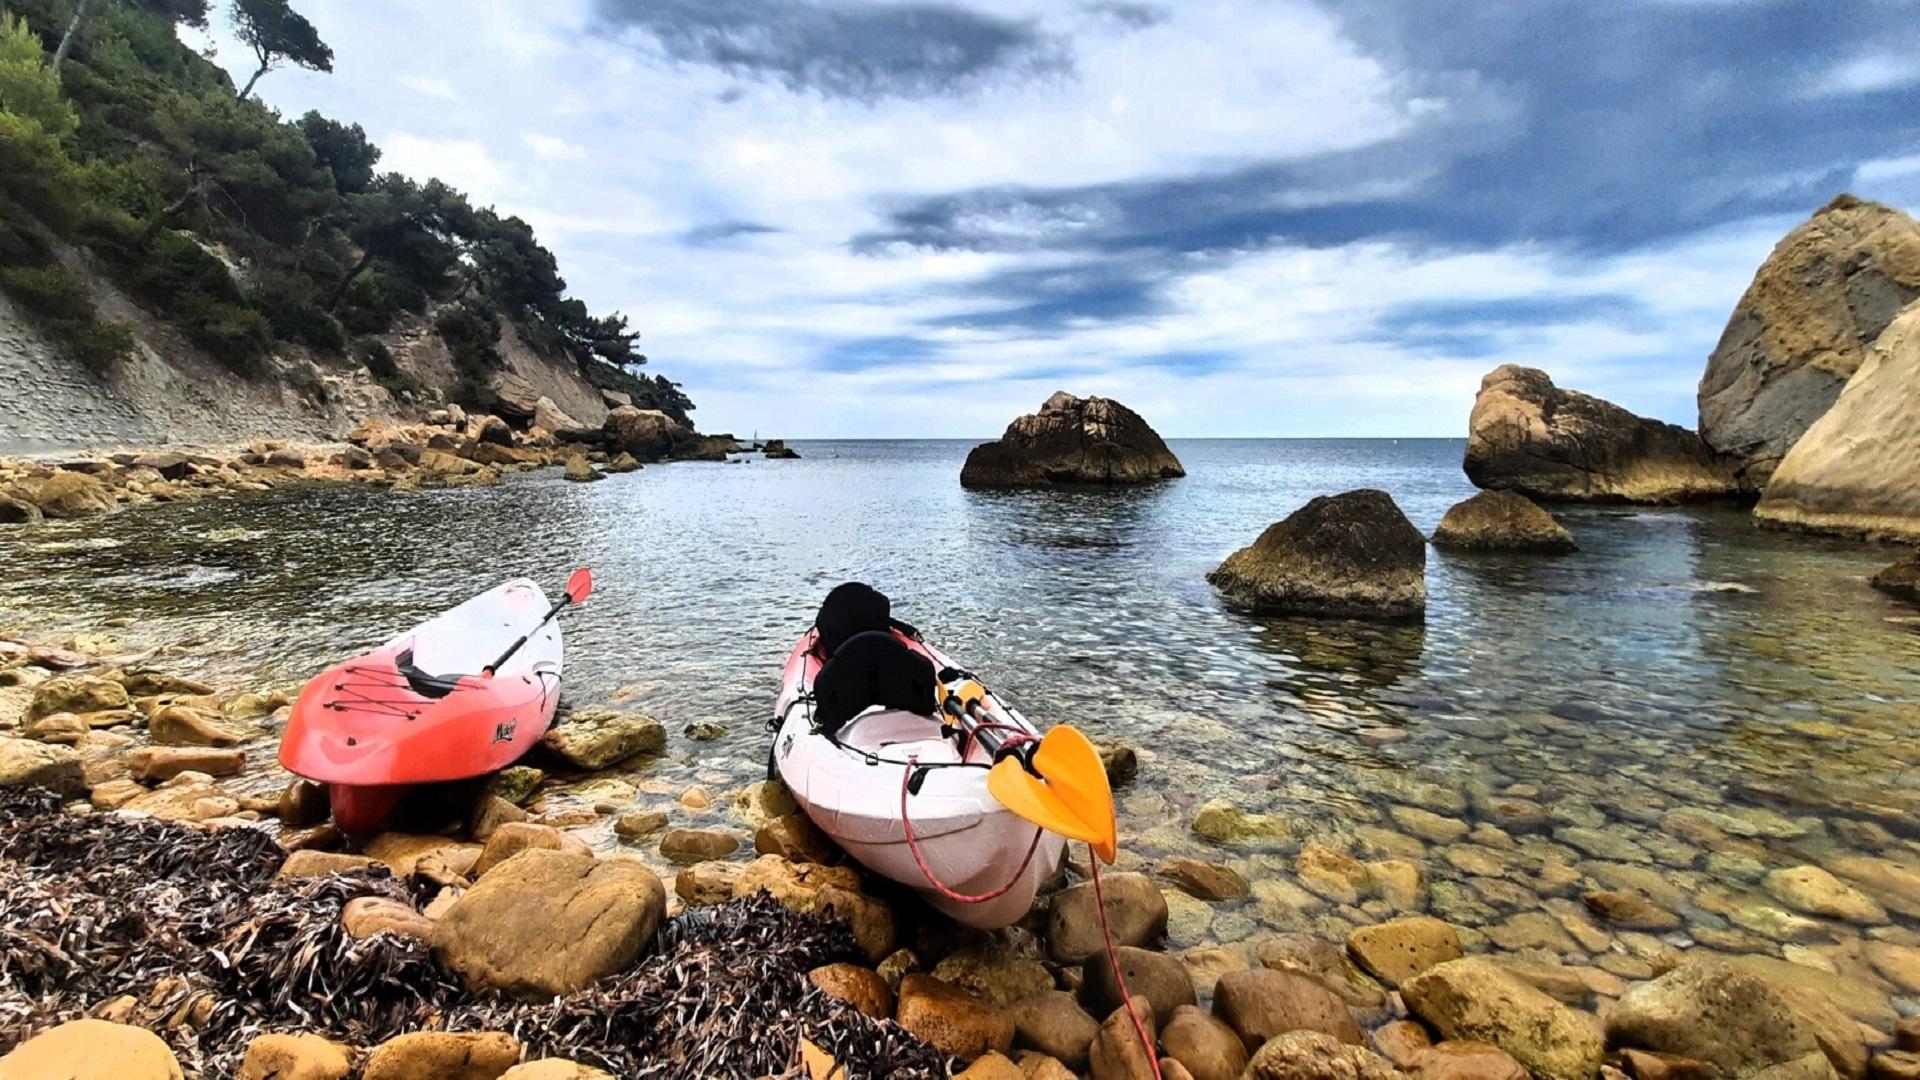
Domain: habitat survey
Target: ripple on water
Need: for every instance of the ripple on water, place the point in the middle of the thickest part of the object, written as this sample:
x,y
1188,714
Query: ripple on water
x,y
1683,707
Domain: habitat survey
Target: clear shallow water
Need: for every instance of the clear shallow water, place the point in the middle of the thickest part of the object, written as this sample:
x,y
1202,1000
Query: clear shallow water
x,y
1681,660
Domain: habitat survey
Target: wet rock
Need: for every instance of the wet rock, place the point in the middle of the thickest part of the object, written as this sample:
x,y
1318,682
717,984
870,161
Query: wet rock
x,y
1205,880
1629,909
30,763
1816,892
1475,999
863,988
1734,1020
706,883
76,694
303,803
991,1066
1331,875
1325,963
1898,964
810,887
1502,521
795,837
1647,1065
63,728
308,864
167,762
1205,1045
1054,1024
489,813
295,1057
1429,826
1902,580
17,511
698,845
1894,1066
1893,885
953,1020
1263,1003
1401,1041
1136,913
514,837
1398,950
635,824
183,725
443,1055
1803,329
579,471
1399,883
1118,1051
555,1069
91,1050
994,972
1858,998
546,922
1353,554
365,916
1467,1061
113,794
594,739
67,495
1072,440
1529,436
622,462
1121,761
1906,1033
1227,824
1313,1055
1160,979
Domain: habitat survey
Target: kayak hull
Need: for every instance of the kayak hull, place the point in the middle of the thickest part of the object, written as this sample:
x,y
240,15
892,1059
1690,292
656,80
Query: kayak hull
x,y
971,844
420,708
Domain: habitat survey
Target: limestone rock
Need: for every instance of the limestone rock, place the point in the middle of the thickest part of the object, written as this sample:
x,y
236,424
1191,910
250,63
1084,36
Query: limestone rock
x,y
1530,436
994,972
295,1057
184,725
953,1020
863,988
76,694
1118,1052
1313,1055
1816,892
795,837
1398,950
1205,1045
1501,521
510,838
1353,554
167,762
365,916
1136,914
547,922
68,494
1072,440
1162,980
1852,471
1734,1020
698,845
635,824
555,1069
579,471
1455,1060
1476,999
1829,288
443,1055
1265,1002
31,763
1205,880
647,434
593,739
91,1050
307,864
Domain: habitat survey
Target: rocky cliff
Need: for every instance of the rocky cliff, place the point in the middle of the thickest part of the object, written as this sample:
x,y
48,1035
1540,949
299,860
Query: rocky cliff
x,y
1804,327
169,392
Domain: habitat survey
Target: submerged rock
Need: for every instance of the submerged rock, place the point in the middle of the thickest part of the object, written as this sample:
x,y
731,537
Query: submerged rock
x,y
1801,330
1530,436
1403,948
1312,1055
1853,470
1353,554
1902,579
1476,999
1072,440
593,739
1501,521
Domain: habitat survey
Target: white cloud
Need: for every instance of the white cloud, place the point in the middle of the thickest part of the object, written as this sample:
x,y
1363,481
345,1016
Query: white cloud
x,y
1869,74
439,88
464,163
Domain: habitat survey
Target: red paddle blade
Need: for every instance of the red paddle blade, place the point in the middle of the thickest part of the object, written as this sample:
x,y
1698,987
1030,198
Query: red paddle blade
x,y
580,585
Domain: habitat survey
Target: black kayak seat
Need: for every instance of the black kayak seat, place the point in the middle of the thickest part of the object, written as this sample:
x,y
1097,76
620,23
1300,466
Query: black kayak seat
x,y
850,609
425,684
869,669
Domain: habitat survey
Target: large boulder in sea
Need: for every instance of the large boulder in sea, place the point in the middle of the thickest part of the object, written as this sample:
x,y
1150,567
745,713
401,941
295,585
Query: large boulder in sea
x,y
647,434
1353,554
1902,579
1854,470
1501,521
1072,440
1530,436
1803,328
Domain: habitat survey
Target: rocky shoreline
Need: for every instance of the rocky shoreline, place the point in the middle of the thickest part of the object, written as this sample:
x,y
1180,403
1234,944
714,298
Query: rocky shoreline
x,y
166,878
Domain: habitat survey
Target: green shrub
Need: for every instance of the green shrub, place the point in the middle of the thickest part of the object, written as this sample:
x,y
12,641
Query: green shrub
x,y
374,355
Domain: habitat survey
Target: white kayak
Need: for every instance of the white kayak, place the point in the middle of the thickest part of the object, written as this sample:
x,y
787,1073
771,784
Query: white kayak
x,y
969,856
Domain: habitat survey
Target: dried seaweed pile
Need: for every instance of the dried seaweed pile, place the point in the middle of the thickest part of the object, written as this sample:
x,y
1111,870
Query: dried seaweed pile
x,y
213,951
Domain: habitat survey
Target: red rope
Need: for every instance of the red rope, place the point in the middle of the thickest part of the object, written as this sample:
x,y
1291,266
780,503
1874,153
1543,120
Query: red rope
x,y
913,845
1113,958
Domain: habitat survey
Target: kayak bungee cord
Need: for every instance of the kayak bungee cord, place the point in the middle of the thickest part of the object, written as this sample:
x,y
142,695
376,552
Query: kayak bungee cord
x,y
913,846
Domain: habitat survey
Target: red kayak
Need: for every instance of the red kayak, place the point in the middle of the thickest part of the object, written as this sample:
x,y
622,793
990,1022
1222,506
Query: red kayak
x,y
461,695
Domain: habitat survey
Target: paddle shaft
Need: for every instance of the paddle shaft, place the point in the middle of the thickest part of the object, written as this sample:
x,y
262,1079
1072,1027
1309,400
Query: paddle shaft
x,y
564,600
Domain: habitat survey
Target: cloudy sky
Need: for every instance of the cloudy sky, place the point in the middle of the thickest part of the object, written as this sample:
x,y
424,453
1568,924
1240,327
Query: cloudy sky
x,y
1242,217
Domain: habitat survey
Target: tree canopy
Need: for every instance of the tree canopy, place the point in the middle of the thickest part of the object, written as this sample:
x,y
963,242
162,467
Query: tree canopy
x,y
248,232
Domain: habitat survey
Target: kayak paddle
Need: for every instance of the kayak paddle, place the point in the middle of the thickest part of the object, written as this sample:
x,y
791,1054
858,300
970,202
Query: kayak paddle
x,y
579,587
1061,787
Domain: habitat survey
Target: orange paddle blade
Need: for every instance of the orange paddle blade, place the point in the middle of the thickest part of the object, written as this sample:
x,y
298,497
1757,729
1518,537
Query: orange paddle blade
x,y
1071,795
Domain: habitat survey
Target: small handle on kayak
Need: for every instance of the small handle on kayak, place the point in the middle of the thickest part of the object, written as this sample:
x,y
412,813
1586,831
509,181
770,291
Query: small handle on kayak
x,y
579,587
